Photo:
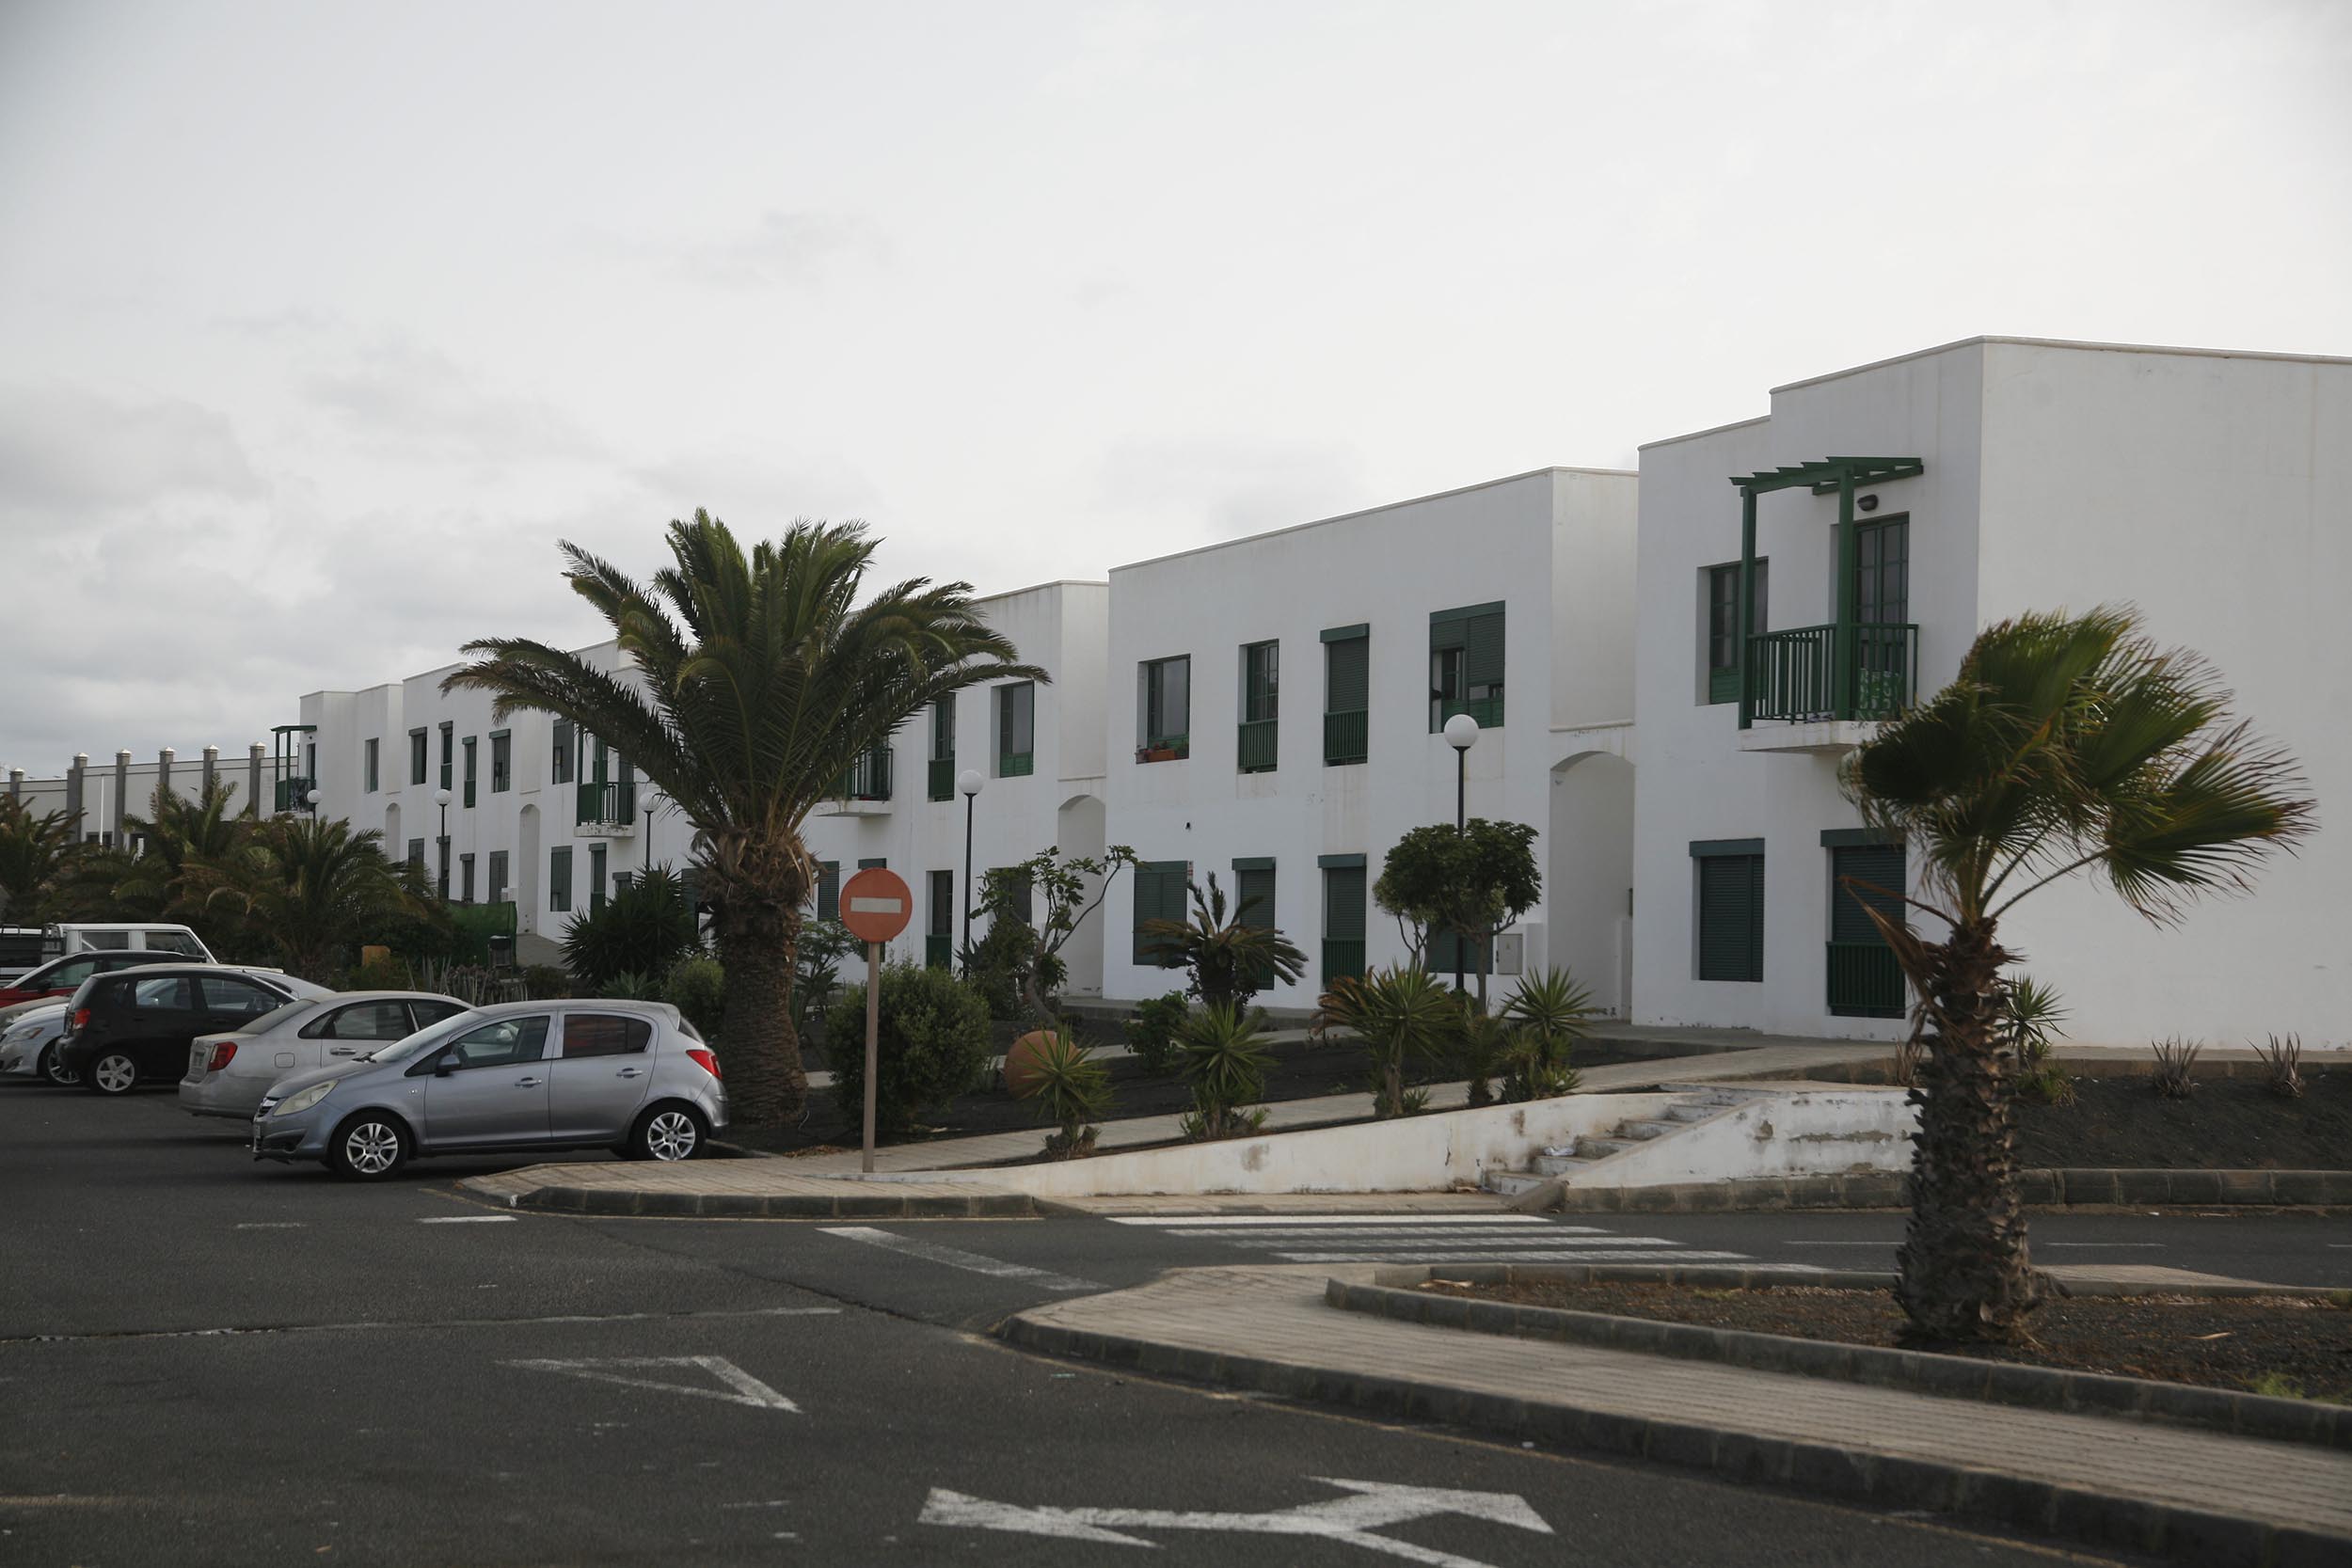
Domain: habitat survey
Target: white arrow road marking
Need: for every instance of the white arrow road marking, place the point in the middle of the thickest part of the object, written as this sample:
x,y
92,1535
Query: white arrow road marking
x,y
955,1259
747,1388
1349,1520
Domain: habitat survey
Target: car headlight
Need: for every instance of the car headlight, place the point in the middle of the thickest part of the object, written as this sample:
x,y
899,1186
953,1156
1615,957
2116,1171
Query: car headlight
x,y
302,1100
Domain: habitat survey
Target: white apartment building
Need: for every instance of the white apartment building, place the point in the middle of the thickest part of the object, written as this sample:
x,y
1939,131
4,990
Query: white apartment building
x,y
1275,705
1897,509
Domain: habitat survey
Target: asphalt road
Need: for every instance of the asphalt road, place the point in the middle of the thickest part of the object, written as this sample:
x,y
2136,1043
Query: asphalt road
x,y
205,1360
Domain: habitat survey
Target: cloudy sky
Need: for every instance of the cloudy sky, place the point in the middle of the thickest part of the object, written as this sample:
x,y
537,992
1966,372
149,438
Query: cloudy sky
x,y
321,322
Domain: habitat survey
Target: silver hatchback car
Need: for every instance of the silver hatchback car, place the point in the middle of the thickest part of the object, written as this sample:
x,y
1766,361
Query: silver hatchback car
x,y
230,1072
519,1077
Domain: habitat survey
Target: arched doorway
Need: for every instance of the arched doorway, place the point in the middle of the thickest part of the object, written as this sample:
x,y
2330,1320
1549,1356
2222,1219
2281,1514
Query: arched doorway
x,y
395,847
527,872
1078,830
1588,876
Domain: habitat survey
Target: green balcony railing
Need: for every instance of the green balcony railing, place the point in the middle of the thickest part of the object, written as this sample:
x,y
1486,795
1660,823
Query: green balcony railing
x,y
1016,765
939,952
868,777
1257,745
613,804
1865,981
942,777
293,793
1814,674
1344,737
1164,748
1342,961
1487,710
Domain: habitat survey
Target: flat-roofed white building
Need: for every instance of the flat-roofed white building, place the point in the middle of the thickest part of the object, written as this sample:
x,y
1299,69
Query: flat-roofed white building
x,y
1977,481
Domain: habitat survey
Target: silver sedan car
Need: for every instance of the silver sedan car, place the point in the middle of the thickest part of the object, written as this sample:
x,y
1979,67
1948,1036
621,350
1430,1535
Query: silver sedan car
x,y
29,1041
519,1077
229,1073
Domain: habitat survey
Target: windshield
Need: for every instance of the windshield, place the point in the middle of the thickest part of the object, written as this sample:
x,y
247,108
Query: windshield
x,y
423,1039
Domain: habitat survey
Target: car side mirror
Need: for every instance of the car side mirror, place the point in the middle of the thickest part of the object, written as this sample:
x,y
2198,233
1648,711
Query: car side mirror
x,y
446,1066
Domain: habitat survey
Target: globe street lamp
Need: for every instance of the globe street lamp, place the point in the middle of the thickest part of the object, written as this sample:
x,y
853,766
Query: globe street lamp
x,y
968,784
1461,732
312,800
440,799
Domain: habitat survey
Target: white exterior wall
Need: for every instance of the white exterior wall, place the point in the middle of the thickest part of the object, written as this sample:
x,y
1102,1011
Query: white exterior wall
x,y
1523,541
2211,490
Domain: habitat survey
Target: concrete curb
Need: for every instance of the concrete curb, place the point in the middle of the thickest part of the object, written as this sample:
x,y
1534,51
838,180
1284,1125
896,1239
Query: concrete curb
x,y
2042,1189
2194,1536
1949,1376
877,1202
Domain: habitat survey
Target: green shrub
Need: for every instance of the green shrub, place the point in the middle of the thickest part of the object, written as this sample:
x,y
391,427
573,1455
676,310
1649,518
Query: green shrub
x,y
545,982
1398,1014
1549,1014
642,929
385,974
627,986
1072,1090
998,963
1225,1062
1152,1032
932,1045
817,973
697,987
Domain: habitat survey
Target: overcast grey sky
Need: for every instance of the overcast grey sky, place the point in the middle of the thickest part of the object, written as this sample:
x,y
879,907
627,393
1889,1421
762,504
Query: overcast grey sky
x,y
321,322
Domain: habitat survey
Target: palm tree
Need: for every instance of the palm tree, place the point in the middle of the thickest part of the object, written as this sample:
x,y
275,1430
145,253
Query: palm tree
x,y
764,680
181,833
35,853
311,888
1398,1013
2066,744
1230,960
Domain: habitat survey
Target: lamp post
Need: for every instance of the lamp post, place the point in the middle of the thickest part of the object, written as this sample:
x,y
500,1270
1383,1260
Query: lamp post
x,y
648,835
440,799
311,799
1461,732
968,786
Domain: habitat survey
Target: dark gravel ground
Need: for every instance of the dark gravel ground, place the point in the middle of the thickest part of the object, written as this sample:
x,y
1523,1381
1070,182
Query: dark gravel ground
x,y
2225,1124
2216,1344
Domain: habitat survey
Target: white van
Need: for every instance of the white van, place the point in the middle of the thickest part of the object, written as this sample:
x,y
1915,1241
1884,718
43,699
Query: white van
x,y
128,936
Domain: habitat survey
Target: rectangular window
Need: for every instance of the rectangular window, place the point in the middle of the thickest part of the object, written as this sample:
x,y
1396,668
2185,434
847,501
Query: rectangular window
x,y
1466,665
1730,908
829,889
1863,979
443,856
448,751
1723,626
1342,918
1882,564
367,766
1261,706
418,760
502,762
1021,897
1253,905
1347,695
1016,729
497,876
465,879
560,879
416,853
1159,895
1164,709
939,937
596,876
943,764
470,770
559,757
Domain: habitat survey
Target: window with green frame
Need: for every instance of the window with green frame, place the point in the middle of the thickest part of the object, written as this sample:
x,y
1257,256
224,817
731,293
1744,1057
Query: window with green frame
x,y
1159,895
1343,917
1723,626
368,767
1729,908
1016,729
449,744
1466,665
469,768
560,879
417,756
938,928
1881,589
1164,709
1257,746
1866,874
1347,695
1253,905
502,762
943,762
828,890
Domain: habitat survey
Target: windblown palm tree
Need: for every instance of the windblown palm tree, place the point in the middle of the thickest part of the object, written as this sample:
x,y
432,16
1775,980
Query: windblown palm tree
x,y
764,681
2067,744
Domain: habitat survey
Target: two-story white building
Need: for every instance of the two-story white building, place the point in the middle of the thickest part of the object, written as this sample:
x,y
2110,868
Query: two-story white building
x,y
1881,516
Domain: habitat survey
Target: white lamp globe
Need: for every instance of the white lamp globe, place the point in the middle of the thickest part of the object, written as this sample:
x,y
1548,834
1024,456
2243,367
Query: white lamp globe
x,y
312,798
1461,731
440,797
968,781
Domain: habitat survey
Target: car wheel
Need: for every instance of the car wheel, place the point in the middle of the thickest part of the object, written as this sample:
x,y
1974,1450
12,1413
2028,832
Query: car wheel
x,y
668,1134
368,1148
53,1070
111,1073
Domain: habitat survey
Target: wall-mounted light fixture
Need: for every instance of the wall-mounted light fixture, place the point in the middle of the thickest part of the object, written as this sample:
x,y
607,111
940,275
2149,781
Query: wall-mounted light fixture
x,y
1866,503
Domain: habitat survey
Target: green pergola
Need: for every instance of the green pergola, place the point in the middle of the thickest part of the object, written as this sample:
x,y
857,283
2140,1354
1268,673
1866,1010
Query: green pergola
x,y
1823,476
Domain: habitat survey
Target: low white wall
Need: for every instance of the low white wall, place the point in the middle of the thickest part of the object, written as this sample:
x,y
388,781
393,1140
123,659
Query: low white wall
x,y
1423,1153
1809,1133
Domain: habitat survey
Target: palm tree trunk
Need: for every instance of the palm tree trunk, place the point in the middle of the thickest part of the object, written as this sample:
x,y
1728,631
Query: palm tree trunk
x,y
1965,1272
757,1045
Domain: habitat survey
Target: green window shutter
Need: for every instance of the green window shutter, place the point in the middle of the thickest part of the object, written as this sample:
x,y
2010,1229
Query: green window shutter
x,y
1731,916
1159,895
1482,638
1448,634
1344,903
1347,684
829,889
1882,866
1254,883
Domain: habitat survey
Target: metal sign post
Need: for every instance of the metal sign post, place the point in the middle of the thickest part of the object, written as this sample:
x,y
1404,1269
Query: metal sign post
x,y
876,906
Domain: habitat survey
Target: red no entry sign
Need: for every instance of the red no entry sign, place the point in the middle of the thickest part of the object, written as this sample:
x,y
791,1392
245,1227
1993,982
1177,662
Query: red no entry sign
x,y
875,904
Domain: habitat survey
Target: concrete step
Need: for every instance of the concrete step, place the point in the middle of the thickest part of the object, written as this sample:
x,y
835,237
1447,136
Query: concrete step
x,y
1684,1112
1557,1164
1511,1183
1645,1131
1600,1149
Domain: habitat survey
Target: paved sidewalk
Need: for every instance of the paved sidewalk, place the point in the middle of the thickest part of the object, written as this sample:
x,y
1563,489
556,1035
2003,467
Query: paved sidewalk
x,y
2199,1495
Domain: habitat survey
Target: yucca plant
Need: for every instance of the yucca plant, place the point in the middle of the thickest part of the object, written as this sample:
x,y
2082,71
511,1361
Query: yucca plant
x,y
1225,1060
1549,1013
2174,1077
765,673
1230,959
1072,1089
2283,1059
2067,744
2030,1016
1399,1014
1480,1048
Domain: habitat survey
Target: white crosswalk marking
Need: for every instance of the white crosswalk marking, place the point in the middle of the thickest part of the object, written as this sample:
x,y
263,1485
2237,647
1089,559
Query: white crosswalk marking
x,y
1425,1238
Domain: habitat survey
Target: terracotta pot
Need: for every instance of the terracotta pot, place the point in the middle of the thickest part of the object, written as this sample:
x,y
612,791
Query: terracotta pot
x,y
1021,1074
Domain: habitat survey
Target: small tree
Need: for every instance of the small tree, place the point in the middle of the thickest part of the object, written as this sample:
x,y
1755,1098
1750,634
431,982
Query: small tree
x,y
643,928
1229,959
1062,881
1549,1014
1225,1062
1399,1014
1473,883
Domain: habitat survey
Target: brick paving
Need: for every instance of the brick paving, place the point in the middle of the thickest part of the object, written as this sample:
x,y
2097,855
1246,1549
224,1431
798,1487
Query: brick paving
x,y
1277,1314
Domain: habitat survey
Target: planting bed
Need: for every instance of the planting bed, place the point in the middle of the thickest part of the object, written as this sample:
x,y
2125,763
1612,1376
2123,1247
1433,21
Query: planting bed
x,y
2225,1124
2234,1343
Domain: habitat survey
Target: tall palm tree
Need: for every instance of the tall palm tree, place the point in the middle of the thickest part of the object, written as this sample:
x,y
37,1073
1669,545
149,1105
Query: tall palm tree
x,y
764,680
182,832
36,854
311,888
2067,744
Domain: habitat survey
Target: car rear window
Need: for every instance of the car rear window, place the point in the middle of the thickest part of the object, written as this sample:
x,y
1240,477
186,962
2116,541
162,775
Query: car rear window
x,y
174,942
605,1035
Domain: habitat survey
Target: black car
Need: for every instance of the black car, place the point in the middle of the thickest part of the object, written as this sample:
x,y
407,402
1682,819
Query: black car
x,y
136,1024
64,977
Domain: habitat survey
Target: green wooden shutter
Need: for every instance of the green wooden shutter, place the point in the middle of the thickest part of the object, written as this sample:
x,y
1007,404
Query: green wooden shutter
x,y
1348,681
1344,903
829,889
1159,895
1258,883
1881,865
1483,641
1731,917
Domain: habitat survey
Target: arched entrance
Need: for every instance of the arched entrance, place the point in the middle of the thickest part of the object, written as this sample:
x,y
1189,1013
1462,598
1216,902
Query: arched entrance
x,y
395,847
1588,878
527,872
1078,830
